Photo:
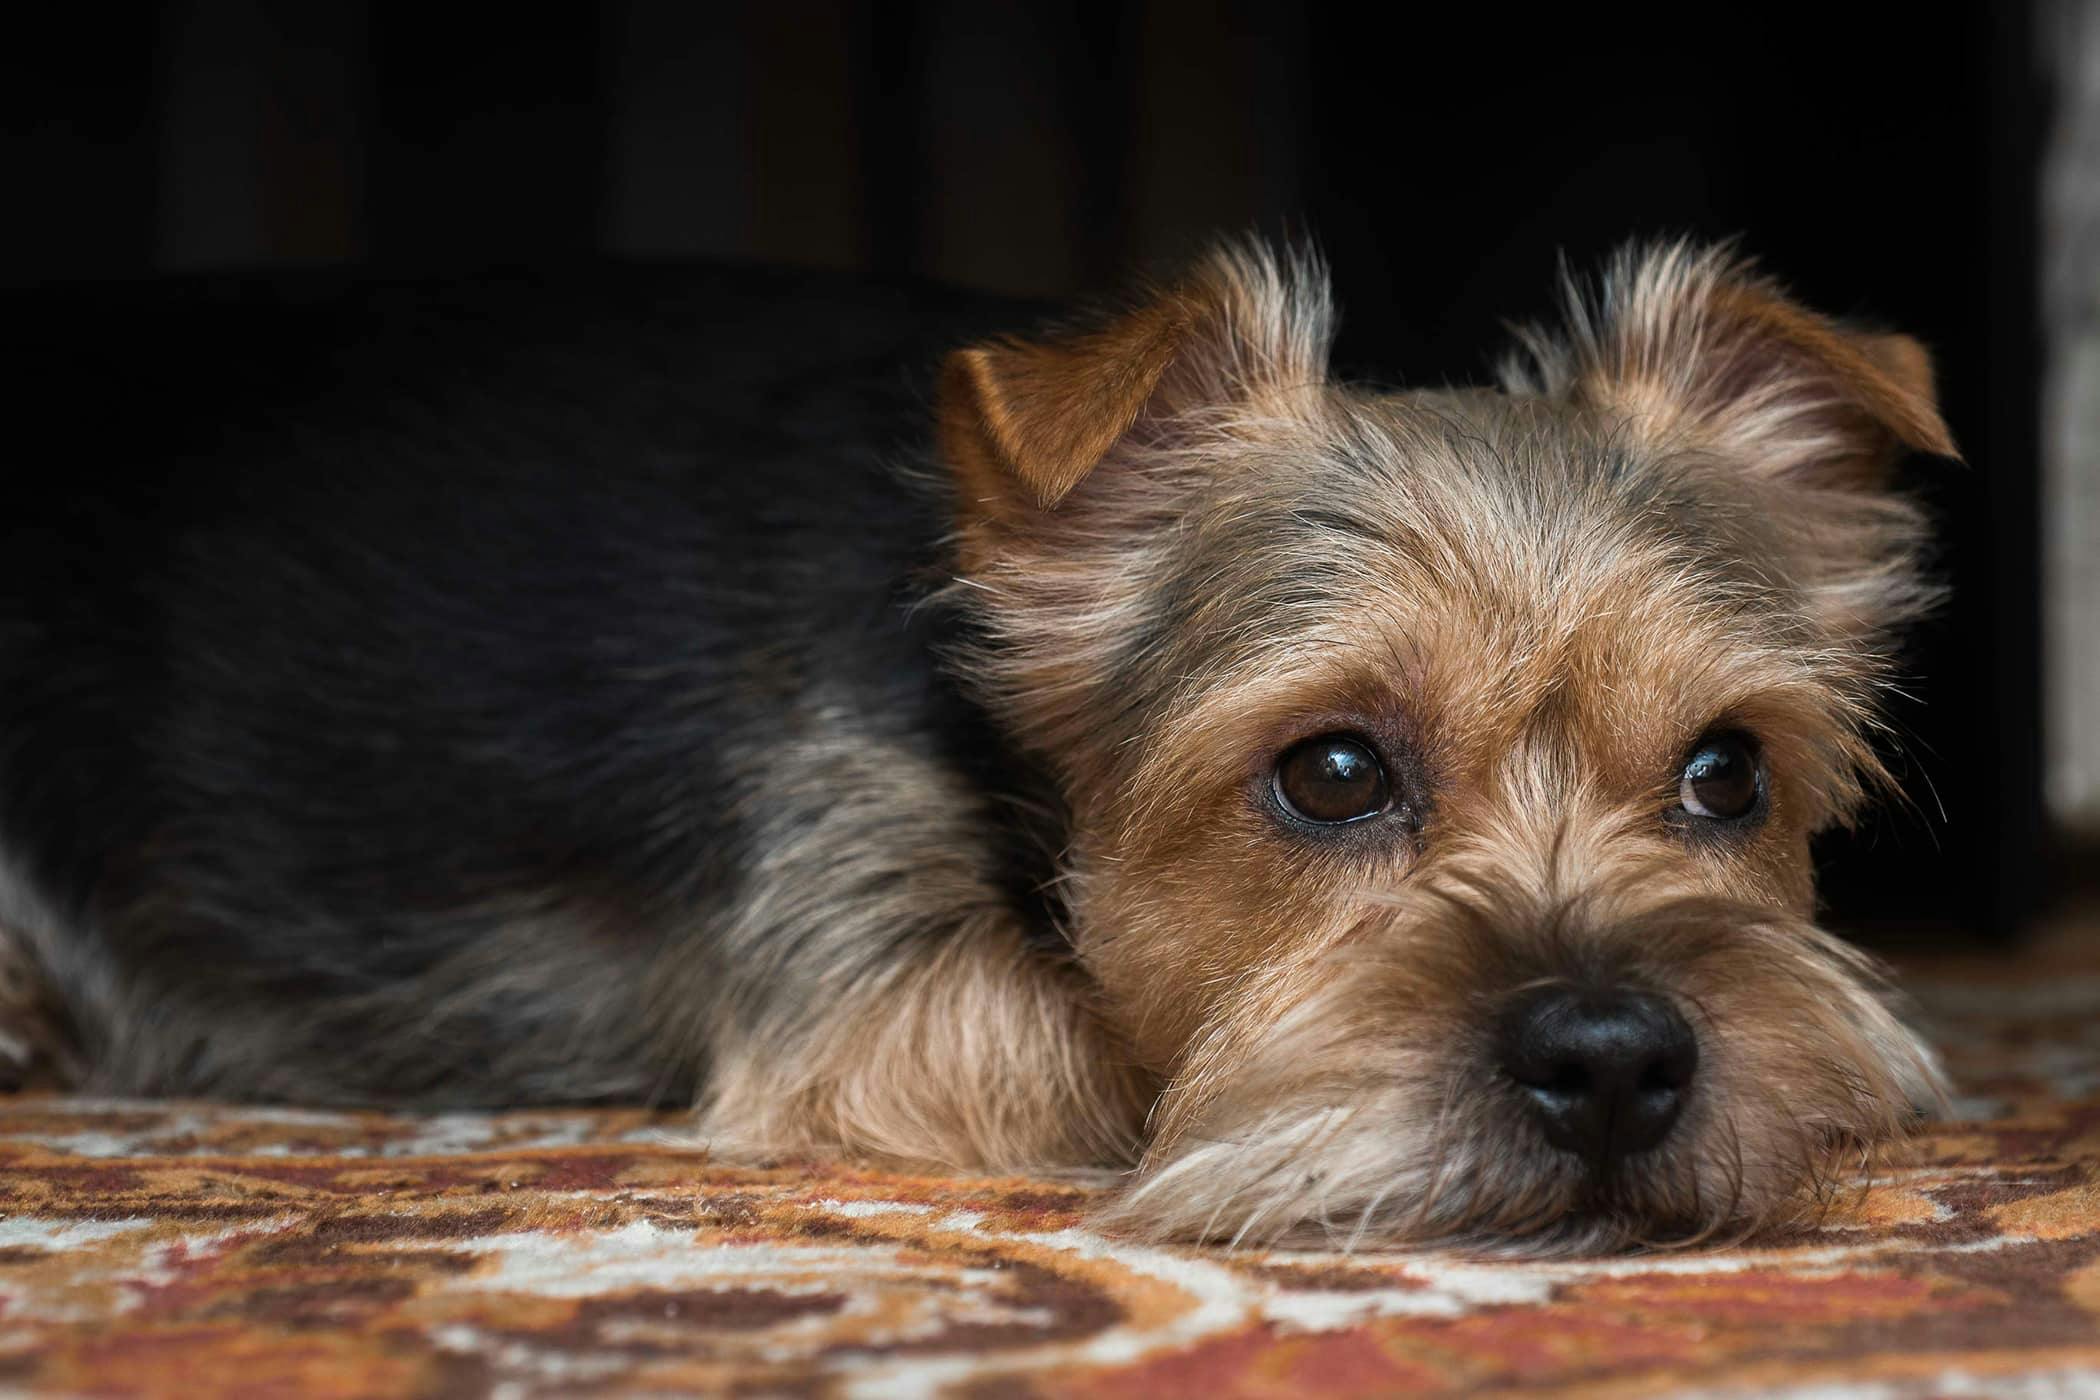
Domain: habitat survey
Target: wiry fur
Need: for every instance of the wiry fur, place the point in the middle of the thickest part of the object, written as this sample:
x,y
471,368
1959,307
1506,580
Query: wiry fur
x,y
1371,1107
1694,350
384,759
1675,517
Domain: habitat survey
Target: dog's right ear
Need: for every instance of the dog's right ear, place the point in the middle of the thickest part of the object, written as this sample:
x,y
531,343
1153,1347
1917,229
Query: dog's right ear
x,y
1023,423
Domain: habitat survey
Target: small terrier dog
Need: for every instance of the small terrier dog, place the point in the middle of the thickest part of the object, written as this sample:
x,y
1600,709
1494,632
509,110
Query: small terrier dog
x,y
1375,814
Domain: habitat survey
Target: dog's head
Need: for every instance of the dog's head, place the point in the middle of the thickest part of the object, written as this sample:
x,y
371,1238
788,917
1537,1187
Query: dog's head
x,y
1443,765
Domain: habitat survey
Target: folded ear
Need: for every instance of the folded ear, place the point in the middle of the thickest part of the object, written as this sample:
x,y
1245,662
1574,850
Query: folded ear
x,y
1024,422
1694,346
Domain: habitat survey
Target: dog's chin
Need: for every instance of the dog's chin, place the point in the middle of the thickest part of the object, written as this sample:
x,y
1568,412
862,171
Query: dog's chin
x,y
1356,1176
1294,1146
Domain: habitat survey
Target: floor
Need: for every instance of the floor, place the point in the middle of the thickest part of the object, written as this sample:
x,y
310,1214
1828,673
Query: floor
x,y
185,1248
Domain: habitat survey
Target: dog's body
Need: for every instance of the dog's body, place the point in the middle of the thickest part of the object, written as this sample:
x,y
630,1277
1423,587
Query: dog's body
x,y
512,700
405,712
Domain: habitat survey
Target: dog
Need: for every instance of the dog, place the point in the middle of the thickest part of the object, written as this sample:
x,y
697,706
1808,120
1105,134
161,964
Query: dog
x,y
1364,815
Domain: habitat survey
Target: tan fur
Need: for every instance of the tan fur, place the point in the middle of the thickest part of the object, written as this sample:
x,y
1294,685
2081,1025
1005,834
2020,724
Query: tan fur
x,y
1185,548
1021,424
1693,349
934,1037
975,1055
1043,415
1694,341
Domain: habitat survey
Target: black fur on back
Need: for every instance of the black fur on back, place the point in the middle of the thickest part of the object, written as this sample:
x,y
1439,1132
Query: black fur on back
x,y
397,681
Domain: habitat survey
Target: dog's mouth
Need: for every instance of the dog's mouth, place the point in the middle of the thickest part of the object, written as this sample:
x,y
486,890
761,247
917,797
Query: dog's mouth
x,y
1752,1080
1330,1177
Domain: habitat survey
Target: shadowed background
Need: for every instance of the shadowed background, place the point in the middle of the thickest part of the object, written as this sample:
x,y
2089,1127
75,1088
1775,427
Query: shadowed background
x,y
1444,166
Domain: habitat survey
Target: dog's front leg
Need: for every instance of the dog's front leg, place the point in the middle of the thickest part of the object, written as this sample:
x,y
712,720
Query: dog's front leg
x,y
973,1052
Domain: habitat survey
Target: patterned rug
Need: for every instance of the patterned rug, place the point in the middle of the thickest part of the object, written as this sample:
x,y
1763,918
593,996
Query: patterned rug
x,y
194,1249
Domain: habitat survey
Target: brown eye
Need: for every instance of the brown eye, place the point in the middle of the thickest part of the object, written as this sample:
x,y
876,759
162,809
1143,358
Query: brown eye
x,y
1330,780
1720,780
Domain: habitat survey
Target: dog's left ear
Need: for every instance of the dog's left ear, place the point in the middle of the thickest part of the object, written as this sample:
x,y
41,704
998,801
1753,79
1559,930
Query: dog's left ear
x,y
1024,422
1694,347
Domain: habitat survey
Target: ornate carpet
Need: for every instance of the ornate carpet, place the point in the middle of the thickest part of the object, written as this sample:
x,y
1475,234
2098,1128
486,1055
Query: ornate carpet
x,y
194,1249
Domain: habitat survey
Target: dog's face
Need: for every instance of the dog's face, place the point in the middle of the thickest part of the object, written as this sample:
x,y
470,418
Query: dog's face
x,y
1443,765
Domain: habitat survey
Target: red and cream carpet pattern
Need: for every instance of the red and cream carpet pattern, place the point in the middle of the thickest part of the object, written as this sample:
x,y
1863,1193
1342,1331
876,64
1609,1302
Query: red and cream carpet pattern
x,y
196,1249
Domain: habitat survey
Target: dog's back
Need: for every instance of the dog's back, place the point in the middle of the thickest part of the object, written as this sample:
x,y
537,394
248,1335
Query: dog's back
x,y
398,682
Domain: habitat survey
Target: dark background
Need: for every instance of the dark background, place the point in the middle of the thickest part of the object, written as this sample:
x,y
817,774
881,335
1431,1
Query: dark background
x,y
1443,163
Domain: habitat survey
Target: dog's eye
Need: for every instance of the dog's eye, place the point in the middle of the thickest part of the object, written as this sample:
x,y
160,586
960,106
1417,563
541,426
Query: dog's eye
x,y
1720,778
1330,780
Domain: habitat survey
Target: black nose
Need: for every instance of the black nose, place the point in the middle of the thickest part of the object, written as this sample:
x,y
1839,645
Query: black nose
x,y
1605,1070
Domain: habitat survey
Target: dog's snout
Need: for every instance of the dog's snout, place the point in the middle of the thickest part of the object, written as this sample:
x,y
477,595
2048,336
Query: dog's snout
x,y
1605,1071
